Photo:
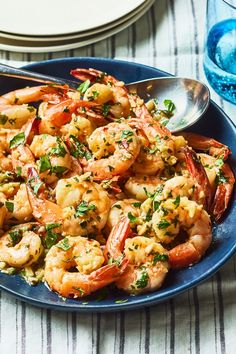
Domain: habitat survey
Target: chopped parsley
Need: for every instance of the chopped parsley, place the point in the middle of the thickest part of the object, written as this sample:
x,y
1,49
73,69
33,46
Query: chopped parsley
x,y
105,109
126,134
64,244
137,204
44,164
160,258
163,224
221,178
3,119
131,217
121,301
170,106
18,171
17,140
142,282
15,235
9,206
95,94
83,208
79,289
51,236
77,149
84,86
36,187
59,170
177,201
59,150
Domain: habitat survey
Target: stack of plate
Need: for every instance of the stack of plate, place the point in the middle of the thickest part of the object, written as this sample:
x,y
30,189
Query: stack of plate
x,y
55,25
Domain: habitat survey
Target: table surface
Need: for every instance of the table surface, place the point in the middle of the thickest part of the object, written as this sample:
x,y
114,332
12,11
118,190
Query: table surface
x,y
202,320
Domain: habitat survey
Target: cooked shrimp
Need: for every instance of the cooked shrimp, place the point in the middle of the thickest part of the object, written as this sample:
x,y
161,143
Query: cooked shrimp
x,y
87,257
54,157
202,193
82,206
21,246
22,159
79,127
53,117
203,143
123,208
174,215
222,181
14,108
147,260
157,147
115,148
106,90
5,137
141,186
21,209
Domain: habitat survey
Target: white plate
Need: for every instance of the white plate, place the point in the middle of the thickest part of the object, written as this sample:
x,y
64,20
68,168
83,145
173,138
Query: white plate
x,y
37,47
53,17
77,34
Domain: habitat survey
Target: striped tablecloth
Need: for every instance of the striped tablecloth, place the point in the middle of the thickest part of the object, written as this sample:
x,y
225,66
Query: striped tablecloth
x,y
202,320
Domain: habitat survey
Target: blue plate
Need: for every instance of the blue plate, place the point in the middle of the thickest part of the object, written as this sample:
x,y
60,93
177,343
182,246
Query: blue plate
x,y
215,124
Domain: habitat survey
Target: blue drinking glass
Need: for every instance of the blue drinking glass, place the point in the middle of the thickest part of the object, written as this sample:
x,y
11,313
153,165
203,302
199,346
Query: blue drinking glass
x,y
220,48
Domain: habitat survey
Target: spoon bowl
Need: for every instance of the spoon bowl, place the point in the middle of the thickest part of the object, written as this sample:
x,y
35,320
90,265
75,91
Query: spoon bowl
x,y
191,97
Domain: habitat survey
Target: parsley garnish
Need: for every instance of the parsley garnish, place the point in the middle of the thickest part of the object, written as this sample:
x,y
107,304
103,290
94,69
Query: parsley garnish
x,y
17,140
3,119
64,244
126,133
59,150
15,235
18,171
142,281
137,204
79,289
9,206
83,208
131,217
59,170
83,87
105,109
44,164
221,178
51,236
160,258
77,149
170,106
36,187
94,95
163,224
177,201
121,301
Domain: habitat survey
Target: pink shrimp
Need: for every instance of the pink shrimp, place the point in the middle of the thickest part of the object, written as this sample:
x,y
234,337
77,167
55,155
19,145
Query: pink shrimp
x,y
147,260
106,90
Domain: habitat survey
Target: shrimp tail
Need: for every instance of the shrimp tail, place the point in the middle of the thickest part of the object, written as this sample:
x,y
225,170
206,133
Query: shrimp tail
x,y
116,240
44,211
198,172
210,145
223,192
86,74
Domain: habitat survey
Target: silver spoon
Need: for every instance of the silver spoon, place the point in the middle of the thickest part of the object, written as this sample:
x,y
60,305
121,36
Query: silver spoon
x,y
191,97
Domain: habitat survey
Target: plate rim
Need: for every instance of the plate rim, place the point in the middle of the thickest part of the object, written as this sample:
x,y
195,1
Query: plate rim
x,y
80,42
124,12
150,299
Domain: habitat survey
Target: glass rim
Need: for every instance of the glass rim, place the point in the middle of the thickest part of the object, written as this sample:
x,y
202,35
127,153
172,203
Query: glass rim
x,y
233,6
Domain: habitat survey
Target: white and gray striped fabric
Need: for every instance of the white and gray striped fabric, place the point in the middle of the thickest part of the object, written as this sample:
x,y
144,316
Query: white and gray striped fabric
x,y
203,320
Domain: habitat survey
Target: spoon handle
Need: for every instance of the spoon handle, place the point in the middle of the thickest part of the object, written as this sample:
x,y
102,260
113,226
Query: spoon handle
x,y
6,70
